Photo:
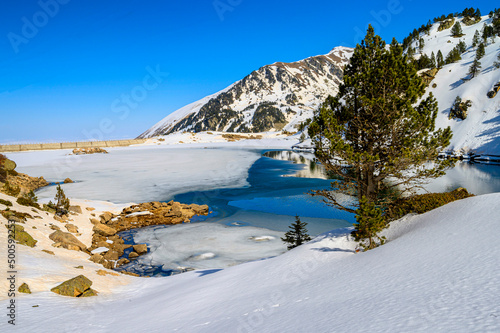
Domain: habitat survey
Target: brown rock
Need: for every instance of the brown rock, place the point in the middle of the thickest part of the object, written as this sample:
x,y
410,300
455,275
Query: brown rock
x,y
54,227
104,230
88,293
75,209
108,264
111,255
140,248
24,289
102,244
106,216
102,272
67,240
94,221
74,287
71,228
199,209
90,209
177,220
97,258
68,181
132,255
49,252
60,218
122,261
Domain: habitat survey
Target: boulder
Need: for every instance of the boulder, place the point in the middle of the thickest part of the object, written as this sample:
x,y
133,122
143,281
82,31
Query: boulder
x,y
106,216
132,255
75,209
94,221
90,209
68,181
24,289
71,228
97,258
122,261
141,248
76,287
67,240
108,264
111,255
104,230
49,252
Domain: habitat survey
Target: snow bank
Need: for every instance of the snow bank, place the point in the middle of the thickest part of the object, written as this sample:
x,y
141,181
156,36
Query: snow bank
x,y
438,272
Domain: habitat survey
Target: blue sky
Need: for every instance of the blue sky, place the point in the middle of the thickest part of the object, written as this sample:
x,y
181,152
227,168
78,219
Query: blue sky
x,y
77,70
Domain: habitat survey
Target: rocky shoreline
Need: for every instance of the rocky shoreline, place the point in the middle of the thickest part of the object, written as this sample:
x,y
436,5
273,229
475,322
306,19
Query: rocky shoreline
x,y
108,247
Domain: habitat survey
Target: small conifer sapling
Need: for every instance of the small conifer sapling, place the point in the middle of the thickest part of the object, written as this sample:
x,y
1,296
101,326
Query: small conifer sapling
x,y
297,235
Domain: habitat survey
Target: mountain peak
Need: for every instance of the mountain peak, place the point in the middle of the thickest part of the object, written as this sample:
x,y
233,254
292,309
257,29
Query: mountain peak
x,y
275,97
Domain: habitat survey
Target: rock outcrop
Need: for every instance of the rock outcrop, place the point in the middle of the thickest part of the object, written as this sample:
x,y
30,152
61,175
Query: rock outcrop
x,y
111,246
18,183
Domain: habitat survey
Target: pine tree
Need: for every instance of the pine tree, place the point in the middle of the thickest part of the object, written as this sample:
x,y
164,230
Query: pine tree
x,y
433,60
378,136
456,30
439,59
61,202
477,14
476,39
496,64
453,56
475,68
297,235
462,47
421,44
480,51
369,223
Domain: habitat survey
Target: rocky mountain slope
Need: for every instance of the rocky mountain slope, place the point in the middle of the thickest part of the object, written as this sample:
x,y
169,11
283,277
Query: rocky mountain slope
x,y
272,98
282,95
479,131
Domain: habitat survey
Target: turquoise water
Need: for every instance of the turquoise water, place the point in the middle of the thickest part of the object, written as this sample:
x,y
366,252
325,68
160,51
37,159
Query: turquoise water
x,y
272,199
278,186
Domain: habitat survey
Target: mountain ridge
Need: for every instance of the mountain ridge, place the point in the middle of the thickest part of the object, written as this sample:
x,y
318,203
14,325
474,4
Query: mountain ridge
x,y
274,97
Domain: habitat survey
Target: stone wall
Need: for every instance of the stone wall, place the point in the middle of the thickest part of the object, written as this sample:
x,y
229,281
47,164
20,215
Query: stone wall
x,y
70,145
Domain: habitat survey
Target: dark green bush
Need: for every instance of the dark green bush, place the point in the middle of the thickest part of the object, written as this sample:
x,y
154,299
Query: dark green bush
x,y
29,199
423,203
5,202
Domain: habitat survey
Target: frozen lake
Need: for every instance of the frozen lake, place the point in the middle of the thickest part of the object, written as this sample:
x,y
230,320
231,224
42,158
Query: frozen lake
x,y
254,196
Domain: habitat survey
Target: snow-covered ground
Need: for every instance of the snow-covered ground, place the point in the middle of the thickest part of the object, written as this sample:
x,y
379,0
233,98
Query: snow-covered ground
x,y
437,273
480,131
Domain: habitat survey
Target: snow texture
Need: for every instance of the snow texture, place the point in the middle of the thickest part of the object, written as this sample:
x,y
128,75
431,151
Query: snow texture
x,y
437,273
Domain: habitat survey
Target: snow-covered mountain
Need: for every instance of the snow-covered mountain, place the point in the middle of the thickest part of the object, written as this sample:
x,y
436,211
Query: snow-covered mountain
x,y
274,97
480,131
282,95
